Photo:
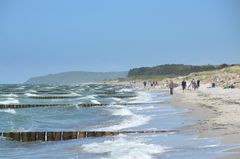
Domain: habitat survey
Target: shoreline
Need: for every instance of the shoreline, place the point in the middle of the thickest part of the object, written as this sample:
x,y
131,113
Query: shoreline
x,y
216,111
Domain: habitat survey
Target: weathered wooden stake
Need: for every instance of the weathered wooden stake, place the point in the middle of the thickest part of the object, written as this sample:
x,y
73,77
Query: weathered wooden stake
x,y
58,136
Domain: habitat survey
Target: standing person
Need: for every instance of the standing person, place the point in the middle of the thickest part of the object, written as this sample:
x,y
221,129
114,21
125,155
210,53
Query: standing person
x,y
194,85
171,86
198,83
184,84
145,83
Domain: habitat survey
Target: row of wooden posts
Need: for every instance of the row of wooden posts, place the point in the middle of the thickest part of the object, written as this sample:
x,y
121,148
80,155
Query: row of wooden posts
x,y
62,97
59,136
16,106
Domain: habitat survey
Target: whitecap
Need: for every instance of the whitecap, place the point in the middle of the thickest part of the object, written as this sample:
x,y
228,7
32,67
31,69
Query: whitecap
x,y
134,121
209,146
10,101
95,102
73,94
125,90
122,148
89,97
139,108
21,87
116,99
131,120
30,95
142,97
121,112
9,95
11,111
32,91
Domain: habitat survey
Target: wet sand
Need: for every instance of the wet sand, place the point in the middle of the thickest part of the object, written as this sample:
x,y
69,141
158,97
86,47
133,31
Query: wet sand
x,y
216,110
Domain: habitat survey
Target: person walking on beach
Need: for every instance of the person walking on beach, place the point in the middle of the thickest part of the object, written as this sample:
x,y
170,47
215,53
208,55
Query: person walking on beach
x,y
145,83
198,83
193,84
184,84
171,86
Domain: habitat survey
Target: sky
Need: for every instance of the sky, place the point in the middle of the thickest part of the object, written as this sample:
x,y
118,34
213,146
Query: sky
x,y
39,37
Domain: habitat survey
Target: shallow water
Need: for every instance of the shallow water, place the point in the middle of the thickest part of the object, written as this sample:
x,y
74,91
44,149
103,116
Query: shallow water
x,y
150,112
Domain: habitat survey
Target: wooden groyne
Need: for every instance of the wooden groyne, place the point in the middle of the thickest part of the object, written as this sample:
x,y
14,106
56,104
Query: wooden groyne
x,y
116,96
52,97
63,97
105,92
61,135
16,106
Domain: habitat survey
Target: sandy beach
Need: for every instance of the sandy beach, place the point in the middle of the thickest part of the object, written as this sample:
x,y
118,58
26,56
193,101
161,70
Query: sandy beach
x,y
217,111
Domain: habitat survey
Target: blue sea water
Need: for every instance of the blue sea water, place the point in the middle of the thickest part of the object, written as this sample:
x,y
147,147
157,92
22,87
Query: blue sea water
x,y
149,110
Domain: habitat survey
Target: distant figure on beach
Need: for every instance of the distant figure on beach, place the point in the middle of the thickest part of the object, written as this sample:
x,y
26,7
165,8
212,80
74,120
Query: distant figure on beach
x,y
171,86
184,84
194,84
213,85
198,83
144,83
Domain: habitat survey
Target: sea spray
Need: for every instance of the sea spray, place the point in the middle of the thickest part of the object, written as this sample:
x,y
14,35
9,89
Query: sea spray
x,y
10,101
124,148
11,111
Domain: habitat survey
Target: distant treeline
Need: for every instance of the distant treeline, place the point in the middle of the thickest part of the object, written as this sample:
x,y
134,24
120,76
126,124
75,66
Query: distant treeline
x,y
171,70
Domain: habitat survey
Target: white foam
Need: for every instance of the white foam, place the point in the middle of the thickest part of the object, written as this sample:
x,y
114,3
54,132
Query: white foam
x,y
145,97
122,112
30,95
142,107
95,102
50,87
142,97
131,120
32,91
116,99
10,101
209,146
11,111
9,95
134,121
125,90
73,94
122,148
89,97
21,87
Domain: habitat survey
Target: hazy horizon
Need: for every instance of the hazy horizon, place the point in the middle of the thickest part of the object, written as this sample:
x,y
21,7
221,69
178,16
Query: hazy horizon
x,y
48,37
98,72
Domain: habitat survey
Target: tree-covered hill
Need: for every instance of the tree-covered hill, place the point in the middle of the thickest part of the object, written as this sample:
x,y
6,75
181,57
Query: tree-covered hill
x,y
76,77
171,70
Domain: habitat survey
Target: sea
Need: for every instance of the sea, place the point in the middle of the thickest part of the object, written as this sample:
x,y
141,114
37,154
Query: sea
x,y
147,110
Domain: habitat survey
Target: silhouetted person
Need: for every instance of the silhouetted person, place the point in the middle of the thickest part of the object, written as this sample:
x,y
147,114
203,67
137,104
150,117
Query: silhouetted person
x,y
184,84
213,85
145,83
194,84
198,83
171,86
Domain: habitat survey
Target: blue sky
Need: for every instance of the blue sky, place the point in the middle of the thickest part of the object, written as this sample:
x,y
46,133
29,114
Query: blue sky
x,y
39,37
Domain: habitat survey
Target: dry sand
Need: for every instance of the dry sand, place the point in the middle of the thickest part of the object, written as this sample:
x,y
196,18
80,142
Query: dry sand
x,y
217,111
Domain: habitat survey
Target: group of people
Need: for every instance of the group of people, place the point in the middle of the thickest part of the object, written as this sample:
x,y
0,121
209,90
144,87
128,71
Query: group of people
x,y
194,84
152,84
